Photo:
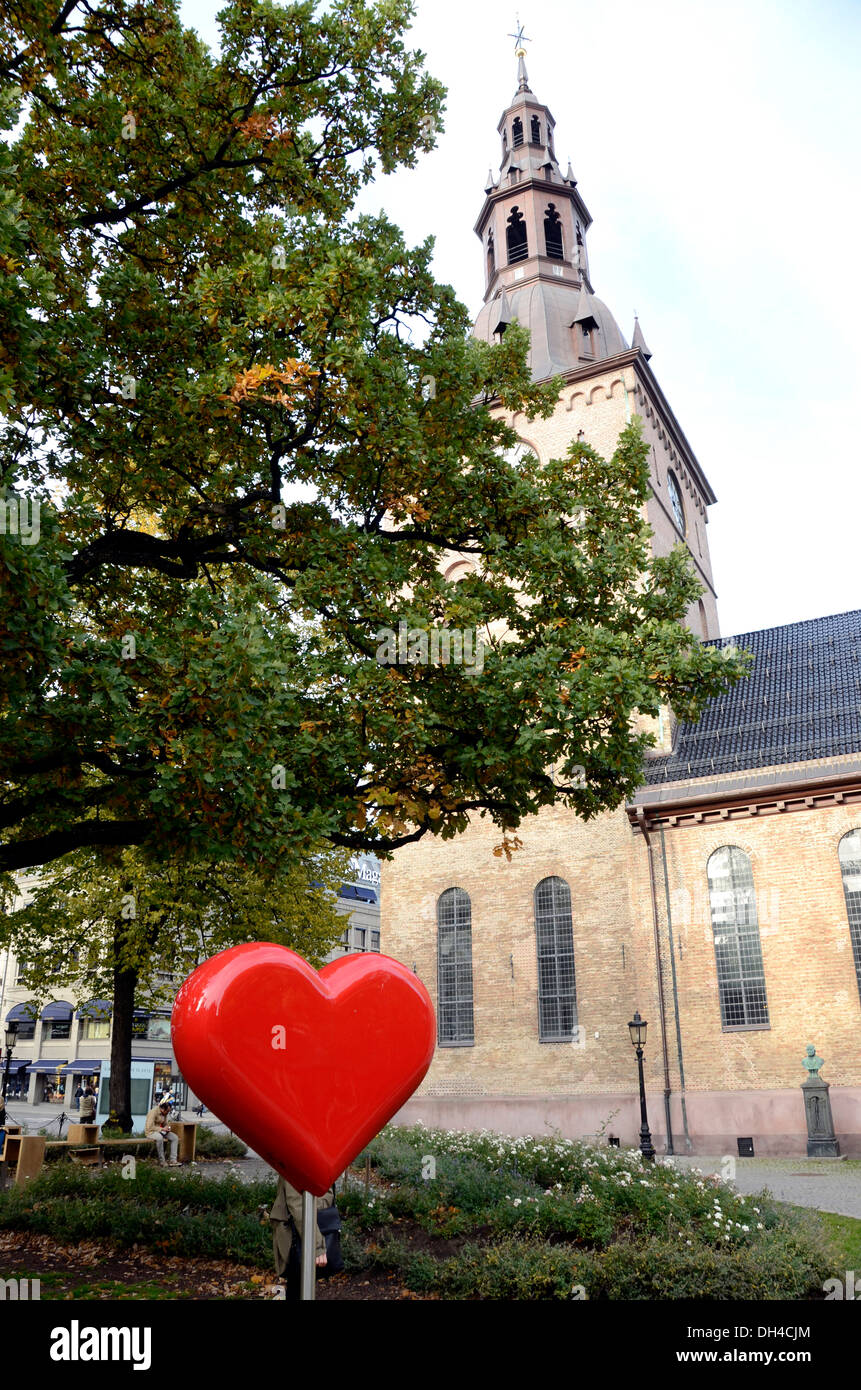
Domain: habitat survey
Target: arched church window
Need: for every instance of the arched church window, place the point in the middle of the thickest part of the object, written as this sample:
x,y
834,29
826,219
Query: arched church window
x,y
515,233
536,131
676,502
517,132
557,994
553,233
491,254
849,851
454,967
738,952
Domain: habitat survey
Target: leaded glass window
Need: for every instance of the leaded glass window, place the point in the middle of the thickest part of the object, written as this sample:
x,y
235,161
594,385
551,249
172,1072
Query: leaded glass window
x,y
849,851
454,967
557,994
738,954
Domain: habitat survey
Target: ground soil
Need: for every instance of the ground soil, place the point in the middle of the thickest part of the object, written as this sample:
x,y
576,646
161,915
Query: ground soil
x,y
94,1270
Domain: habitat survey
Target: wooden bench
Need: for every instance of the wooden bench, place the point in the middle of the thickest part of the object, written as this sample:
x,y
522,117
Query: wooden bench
x,y
22,1157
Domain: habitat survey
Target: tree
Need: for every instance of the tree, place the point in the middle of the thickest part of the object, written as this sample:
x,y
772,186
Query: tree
x,y
265,426
108,924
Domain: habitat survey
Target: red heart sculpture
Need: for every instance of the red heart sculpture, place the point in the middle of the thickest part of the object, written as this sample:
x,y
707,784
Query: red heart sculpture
x,y
305,1066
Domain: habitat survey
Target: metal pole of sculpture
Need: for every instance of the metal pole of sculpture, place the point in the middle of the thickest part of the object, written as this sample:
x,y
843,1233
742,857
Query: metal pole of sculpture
x,y
308,1286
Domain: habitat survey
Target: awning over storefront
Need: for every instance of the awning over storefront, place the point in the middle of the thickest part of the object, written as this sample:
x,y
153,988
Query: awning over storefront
x,y
58,1009
48,1064
17,1065
22,1013
82,1068
97,1008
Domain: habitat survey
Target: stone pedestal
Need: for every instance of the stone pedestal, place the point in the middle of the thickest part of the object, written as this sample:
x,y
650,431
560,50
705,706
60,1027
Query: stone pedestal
x,y
821,1140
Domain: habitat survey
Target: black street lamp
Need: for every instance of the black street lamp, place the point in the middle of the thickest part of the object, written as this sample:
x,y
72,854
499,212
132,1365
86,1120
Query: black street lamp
x,y
11,1037
637,1029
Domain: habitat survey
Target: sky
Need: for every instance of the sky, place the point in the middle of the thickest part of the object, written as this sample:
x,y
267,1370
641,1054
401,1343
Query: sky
x,y
717,149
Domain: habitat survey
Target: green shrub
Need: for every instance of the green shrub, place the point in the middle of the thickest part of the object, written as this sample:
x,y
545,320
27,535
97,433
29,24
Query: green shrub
x,y
510,1270
211,1145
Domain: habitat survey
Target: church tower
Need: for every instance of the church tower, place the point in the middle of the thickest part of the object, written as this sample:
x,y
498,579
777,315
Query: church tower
x,y
692,904
536,965
533,227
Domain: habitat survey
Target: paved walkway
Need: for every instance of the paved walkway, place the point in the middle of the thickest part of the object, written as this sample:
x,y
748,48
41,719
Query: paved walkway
x,y
827,1184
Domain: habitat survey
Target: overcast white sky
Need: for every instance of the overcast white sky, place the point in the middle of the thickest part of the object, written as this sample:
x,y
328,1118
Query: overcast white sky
x,y
717,148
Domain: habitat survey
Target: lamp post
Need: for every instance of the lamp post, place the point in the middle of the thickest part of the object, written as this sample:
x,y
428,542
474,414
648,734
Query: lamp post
x,y
11,1036
637,1029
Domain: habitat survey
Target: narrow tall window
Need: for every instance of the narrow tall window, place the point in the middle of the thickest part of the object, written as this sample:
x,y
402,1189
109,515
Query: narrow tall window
x,y
491,255
454,967
849,851
517,132
557,995
515,233
536,131
553,233
738,953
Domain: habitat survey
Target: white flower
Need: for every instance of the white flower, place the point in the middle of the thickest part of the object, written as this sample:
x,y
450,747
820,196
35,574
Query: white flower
x,y
517,1201
759,1226
745,1228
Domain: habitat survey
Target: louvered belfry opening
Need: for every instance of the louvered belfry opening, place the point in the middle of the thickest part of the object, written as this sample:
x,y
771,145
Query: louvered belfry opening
x,y
553,233
516,237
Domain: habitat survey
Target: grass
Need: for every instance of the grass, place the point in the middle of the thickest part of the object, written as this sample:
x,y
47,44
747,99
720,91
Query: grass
x,y
844,1236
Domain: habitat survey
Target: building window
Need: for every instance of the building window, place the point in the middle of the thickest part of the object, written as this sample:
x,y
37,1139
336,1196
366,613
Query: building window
x,y
26,1031
95,1029
57,1028
738,953
557,993
849,851
158,1028
536,131
517,132
553,233
454,967
676,502
375,941
587,337
360,938
491,255
515,233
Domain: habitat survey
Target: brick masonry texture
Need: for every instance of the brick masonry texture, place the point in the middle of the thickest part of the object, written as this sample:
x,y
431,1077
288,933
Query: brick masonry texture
x,y
812,990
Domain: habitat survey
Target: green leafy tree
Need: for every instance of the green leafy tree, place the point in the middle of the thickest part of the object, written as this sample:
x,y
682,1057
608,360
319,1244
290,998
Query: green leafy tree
x,y
264,425
109,924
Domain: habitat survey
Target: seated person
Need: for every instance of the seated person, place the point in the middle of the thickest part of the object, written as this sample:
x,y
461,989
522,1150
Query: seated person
x,y
157,1127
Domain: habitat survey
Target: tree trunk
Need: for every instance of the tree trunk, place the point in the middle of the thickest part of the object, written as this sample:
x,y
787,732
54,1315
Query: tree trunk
x,y
125,983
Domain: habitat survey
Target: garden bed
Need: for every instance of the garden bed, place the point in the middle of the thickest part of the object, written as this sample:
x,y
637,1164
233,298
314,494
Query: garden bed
x,y
445,1216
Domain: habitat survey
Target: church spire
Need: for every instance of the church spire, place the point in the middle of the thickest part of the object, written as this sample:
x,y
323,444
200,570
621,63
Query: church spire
x,y
533,229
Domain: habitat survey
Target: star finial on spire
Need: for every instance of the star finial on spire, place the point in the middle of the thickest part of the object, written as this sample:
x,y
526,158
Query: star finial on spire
x,y
520,52
519,40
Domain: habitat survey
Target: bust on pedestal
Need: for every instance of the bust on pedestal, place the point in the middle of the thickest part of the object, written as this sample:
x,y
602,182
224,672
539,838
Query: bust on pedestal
x,y
821,1139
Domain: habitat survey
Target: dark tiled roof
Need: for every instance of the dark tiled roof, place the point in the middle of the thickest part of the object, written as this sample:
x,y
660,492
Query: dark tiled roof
x,y
801,701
